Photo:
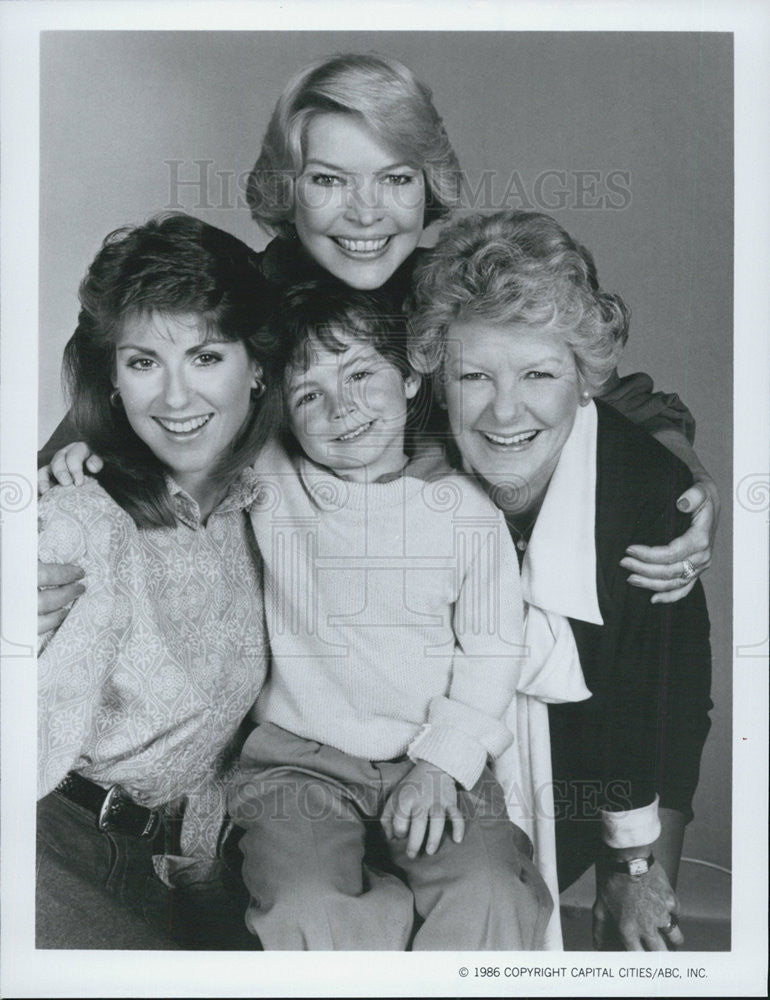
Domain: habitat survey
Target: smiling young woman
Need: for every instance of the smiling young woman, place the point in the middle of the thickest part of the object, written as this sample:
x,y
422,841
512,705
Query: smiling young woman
x,y
187,394
142,689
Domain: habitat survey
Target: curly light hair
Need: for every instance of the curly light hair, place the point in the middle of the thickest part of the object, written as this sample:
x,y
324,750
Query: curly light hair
x,y
516,267
379,91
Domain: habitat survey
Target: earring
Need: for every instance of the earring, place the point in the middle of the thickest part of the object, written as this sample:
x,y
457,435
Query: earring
x,y
115,399
585,397
257,389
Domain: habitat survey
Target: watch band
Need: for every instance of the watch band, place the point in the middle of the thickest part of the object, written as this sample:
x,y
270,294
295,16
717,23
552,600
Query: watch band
x,y
635,867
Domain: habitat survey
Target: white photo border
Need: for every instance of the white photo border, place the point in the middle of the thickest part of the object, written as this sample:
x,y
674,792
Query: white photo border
x,y
26,972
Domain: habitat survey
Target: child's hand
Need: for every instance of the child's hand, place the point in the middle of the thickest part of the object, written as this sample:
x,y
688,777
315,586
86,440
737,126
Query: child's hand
x,y
671,570
422,802
68,465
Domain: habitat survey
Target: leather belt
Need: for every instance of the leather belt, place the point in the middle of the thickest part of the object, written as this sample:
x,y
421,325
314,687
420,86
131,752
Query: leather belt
x,y
114,810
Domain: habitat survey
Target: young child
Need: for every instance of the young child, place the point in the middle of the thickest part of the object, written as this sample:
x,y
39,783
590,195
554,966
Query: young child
x,y
354,164
395,623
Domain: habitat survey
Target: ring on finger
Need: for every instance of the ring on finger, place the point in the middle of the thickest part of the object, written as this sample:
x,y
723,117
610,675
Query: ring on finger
x,y
688,570
672,924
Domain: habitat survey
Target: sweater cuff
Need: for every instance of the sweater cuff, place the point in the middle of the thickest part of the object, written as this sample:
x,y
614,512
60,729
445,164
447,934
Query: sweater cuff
x,y
631,828
460,756
458,739
493,735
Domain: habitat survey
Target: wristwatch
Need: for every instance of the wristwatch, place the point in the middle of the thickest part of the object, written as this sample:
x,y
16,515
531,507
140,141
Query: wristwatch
x,y
635,867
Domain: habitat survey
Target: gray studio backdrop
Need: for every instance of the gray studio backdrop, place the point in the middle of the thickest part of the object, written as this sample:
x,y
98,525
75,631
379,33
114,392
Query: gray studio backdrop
x,y
625,138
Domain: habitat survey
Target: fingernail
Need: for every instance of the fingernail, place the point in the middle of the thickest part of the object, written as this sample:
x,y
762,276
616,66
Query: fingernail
x,y
683,504
80,589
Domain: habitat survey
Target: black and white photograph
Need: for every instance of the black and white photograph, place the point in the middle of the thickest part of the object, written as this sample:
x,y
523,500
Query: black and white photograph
x,y
384,501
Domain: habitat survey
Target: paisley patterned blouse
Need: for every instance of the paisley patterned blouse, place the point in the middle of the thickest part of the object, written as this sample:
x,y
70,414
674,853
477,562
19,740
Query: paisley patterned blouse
x,y
146,681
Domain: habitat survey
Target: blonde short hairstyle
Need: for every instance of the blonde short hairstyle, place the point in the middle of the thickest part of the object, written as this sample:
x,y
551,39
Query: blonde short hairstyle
x,y
516,268
387,97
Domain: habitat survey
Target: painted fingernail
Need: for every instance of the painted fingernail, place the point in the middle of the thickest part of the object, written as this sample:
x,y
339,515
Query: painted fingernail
x,y
683,504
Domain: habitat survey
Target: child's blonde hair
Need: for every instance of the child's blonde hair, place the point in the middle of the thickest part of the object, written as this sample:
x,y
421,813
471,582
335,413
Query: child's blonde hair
x,y
387,97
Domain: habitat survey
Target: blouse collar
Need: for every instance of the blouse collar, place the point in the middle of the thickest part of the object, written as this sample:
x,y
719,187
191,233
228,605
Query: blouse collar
x,y
240,495
559,569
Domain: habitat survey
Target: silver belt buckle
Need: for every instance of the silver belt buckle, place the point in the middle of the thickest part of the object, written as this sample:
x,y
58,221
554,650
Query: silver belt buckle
x,y
111,805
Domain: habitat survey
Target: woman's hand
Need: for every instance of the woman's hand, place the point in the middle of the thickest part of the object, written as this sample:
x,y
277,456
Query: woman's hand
x,y
637,910
671,570
422,802
68,466
57,587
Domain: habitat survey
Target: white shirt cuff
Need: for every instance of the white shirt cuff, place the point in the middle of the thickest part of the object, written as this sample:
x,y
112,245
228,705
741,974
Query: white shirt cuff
x,y
631,828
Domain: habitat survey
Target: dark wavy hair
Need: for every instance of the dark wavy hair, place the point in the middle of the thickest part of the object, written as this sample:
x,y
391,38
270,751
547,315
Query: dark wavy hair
x,y
330,314
172,264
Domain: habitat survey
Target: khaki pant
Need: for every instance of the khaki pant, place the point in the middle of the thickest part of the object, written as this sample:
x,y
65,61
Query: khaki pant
x,y
322,876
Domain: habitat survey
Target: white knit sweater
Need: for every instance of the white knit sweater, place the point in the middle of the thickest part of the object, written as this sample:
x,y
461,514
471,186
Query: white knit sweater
x,y
394,612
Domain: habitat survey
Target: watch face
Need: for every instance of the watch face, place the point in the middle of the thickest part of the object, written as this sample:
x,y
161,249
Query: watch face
x,y
638,866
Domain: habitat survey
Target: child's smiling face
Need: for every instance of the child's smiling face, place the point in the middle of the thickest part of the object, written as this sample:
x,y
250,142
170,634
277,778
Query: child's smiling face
x,y
359,209
348,409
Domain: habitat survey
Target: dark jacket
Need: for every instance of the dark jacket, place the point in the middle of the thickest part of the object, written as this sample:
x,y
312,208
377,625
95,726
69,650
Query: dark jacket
x,y
648,666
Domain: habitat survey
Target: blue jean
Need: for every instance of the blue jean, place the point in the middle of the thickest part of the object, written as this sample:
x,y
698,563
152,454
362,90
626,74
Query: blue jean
x,y
100,890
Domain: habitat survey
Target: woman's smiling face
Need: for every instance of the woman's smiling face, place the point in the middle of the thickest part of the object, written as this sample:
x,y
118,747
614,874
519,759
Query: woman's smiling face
x,y
186,393
358,209
512,392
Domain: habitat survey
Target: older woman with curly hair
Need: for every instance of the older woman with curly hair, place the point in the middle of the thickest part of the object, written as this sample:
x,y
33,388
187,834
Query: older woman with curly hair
x,y
510,318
